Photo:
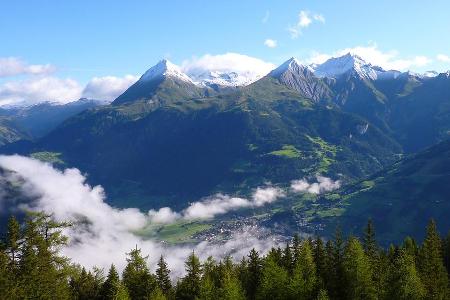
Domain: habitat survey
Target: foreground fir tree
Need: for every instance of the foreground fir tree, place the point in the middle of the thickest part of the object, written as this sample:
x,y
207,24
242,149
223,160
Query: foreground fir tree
x,y
404,281
358,273
274,280
431,264
163,277
136,276
189,287
112,288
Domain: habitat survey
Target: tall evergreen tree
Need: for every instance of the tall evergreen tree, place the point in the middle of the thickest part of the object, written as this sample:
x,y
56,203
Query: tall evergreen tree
x,y
112,288
288,260
321,262
303,283
189,287
274,280
163,277
432,270
254,274
404,280
136,276
85,285
357,272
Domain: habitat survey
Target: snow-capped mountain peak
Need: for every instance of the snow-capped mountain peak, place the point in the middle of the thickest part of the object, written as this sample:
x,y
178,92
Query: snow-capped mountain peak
x,y
291,65
164,68
352,63
223,78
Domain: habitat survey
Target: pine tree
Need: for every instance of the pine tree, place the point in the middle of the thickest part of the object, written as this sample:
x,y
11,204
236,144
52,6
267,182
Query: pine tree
x,y
85,285
112,288
432,270
136,276
404,280
369,242
13,236
288,261
42,273
303,283
274,280
320,261
230,286
446,246
163,277
190,286
357,272
254,274
6,277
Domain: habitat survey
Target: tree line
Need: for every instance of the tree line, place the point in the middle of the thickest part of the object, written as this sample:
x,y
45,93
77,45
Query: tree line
x,y
31,267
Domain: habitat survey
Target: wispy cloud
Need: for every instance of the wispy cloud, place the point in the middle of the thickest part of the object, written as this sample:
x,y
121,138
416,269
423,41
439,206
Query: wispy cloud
x,y
305,19
270,43
12,66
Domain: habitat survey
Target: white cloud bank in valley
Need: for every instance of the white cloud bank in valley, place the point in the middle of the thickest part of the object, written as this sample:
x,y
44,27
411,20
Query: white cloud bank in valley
x,y
105,233
217,205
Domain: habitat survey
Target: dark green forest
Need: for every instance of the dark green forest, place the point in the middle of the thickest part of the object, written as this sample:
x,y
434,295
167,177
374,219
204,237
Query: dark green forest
x,y
32,267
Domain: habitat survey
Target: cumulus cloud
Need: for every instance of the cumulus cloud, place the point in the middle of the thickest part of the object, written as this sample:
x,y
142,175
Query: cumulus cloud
x,y
244,65
389,60
39,89
322,185
305,19
270,43
104,234
12,66
443,58
108,87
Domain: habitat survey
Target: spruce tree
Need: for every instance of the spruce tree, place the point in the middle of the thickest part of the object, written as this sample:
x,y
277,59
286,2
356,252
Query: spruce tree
x,y
357,271
163,277
404,280
288,261
112,288
136,276
274,280
254,274
432,270
189,287
303,283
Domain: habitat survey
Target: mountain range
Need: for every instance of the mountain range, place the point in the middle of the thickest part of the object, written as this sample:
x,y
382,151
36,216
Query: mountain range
x,y
172,137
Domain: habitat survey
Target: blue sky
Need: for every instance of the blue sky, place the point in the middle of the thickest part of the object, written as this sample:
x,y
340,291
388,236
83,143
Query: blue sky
x,y
83,39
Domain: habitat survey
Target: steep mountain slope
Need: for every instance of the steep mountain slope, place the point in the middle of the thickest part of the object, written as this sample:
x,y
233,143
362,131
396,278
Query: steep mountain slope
x,y
184,148
301,79
402,198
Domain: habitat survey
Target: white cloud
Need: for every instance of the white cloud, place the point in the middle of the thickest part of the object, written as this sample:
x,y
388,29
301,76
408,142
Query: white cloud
x,y
305,19
443,58
217,205
39,89
164,215
244,65
266,17
389,60
323,184
108,87
270,43
103,234
11,66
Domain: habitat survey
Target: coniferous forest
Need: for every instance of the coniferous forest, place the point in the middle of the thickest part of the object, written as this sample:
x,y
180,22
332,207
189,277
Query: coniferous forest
x,y
31,267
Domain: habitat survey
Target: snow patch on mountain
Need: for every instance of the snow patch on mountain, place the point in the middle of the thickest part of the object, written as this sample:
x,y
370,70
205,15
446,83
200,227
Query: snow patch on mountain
x,y
165,68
